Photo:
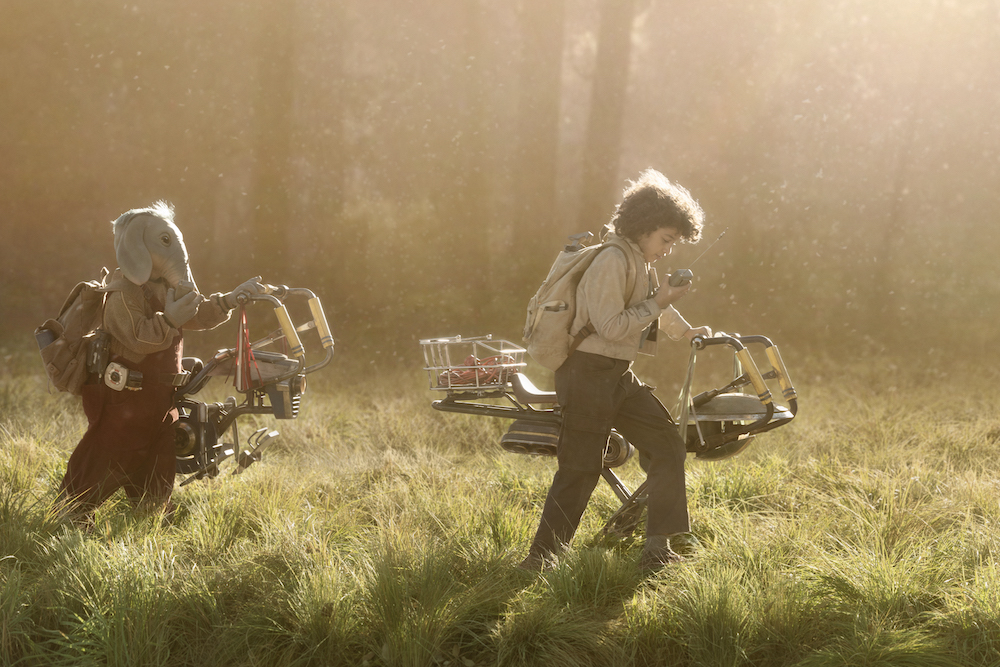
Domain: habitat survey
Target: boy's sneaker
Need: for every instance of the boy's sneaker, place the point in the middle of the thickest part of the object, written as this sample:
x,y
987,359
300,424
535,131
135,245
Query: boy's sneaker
x,y
657,554
685,544
536,562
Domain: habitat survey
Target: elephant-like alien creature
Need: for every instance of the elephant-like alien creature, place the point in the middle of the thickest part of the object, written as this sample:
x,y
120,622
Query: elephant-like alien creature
x,y
151,299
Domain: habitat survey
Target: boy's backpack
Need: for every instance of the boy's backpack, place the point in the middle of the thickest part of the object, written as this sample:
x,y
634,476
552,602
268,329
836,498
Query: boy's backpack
x,y
66,341
553,308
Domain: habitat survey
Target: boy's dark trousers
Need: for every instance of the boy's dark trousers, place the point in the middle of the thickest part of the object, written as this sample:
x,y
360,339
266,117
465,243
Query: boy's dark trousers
x,y
598,393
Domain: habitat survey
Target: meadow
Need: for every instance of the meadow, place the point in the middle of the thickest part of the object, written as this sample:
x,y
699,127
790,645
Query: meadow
x,y
380,532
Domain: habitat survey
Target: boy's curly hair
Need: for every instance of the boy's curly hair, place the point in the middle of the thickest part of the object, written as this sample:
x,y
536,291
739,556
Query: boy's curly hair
x,y
653,202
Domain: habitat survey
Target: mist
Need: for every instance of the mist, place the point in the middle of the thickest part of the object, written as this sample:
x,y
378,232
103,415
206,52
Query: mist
x,y
419,165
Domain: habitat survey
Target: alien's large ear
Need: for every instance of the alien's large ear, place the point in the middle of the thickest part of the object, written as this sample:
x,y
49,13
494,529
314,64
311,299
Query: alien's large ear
x,y
130,247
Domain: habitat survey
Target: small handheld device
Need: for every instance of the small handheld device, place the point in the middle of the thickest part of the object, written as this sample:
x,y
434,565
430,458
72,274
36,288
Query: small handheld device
x,y
183,288
682,277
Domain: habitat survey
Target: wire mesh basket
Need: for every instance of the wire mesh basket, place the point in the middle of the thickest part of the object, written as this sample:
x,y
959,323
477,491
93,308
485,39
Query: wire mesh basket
x,y
476,364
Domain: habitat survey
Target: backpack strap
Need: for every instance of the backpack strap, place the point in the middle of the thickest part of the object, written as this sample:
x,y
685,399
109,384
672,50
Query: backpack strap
x,y
630,268
105,276
100,347
630,279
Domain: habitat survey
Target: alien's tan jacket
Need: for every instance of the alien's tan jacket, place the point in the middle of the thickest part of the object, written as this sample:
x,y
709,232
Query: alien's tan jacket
x,y
133,315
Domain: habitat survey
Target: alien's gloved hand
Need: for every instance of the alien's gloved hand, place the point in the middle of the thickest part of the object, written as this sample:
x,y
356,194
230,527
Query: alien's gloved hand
x,y
178,312
252,286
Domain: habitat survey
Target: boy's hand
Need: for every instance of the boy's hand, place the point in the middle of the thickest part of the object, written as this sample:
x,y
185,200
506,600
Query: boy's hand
x,y
667,294
693,332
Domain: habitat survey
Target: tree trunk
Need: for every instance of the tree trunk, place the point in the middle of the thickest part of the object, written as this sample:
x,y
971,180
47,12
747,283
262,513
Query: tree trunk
x,y
272,222
339,261
543,25
469,199
607,109
884,300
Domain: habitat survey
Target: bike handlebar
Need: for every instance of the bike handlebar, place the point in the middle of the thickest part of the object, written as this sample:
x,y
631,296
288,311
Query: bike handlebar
x,y
276,295
737,342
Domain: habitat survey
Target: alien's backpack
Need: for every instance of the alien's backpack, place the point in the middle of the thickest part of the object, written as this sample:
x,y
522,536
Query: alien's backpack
x,y
71,344
553,308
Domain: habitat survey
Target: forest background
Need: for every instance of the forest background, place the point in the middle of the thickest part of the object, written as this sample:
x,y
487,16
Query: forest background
x,y
419,164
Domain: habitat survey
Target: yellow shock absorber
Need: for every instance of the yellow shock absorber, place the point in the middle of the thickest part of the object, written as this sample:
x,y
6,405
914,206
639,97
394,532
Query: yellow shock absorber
x,y
316,308
288,329
763,393
787,390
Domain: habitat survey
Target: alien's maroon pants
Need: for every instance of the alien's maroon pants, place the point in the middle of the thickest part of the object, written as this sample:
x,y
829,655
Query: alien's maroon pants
x,y
130,441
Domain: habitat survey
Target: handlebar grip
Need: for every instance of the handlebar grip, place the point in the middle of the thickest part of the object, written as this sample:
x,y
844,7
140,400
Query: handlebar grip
x,y
279,291
322,327
291,335
719,338
763,393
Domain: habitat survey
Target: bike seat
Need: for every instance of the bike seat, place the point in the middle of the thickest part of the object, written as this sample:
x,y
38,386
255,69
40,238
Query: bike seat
x,y
526,392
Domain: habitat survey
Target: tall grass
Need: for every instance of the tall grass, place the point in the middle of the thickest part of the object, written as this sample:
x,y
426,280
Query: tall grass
x,y
380,532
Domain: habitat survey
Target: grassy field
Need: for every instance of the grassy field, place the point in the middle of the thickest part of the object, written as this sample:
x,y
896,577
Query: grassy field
x,y
380,532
